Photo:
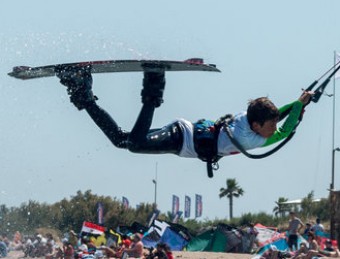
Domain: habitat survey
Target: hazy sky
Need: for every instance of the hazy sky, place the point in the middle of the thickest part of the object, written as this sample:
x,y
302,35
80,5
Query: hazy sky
x,y
50,150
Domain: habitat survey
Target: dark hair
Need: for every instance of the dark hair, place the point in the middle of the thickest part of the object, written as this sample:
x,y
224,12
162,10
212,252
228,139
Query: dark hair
x,y
311,234
261,110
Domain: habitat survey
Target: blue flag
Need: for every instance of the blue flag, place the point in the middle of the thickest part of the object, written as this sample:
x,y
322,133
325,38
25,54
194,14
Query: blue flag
x,y
187,207
199,207
175,204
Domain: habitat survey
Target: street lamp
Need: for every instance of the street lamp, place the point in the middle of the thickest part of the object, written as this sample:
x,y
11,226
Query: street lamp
x,y
333,220
332,189
333,167
155,183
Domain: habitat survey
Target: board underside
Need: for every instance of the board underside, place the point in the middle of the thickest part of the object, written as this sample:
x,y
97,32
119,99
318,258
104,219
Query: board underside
x,y
111,66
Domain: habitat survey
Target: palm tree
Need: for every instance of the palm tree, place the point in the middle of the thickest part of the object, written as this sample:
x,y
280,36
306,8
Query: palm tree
x,y
281,208
232,190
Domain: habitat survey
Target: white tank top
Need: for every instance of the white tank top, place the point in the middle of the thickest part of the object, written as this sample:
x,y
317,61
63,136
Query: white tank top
x,y
240,129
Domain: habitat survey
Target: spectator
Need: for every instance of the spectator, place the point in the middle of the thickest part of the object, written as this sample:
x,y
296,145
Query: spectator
x,y
50,243
159,252
73,239
111,251
301,253
17,244
313,247
3,248
295,225
318,227
312,243
68,250
168,252
329,250
271,253
307,229
28,247
136,249
328,246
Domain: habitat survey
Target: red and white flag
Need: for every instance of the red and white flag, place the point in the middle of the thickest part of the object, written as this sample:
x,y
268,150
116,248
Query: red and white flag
x,y
92,228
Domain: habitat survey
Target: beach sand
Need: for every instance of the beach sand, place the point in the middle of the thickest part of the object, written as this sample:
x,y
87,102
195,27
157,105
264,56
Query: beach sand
x,y
179,255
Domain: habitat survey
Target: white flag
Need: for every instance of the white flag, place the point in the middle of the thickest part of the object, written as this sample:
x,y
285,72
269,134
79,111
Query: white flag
x,y
337,60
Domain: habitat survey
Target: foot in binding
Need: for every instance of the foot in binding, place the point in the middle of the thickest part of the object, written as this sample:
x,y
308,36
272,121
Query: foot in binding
x,y
153,88
78,81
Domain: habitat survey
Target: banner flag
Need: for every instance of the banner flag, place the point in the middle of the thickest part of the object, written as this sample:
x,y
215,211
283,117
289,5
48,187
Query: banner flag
x,y
92,228
175,204
125,203
199,208
187,207
100,213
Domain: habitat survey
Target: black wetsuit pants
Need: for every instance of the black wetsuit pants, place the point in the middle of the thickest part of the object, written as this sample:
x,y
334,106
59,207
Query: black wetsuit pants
x,y
141,139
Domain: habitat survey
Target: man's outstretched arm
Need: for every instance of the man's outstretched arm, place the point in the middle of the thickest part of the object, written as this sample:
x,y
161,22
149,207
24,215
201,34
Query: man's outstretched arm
x,y
288,126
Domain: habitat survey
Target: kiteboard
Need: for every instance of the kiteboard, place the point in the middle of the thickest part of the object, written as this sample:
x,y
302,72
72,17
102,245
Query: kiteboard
x,y
111,66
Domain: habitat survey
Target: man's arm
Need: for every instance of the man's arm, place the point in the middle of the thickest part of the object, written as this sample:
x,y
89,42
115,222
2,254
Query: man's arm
x,y
289,124
293,117
301,226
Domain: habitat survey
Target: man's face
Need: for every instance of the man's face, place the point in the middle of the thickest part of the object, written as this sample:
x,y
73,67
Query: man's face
x,y
267,129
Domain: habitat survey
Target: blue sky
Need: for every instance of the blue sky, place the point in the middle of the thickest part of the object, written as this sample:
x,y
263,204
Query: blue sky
x,y
263,48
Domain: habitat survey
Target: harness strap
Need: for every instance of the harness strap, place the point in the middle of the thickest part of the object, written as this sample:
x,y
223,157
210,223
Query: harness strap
x,y
206,142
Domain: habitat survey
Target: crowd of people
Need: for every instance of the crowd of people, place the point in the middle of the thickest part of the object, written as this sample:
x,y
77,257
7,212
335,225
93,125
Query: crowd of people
x,y
32,246
75,246
312,248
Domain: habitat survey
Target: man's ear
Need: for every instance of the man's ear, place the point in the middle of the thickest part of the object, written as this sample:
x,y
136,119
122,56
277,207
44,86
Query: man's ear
x,y
255,126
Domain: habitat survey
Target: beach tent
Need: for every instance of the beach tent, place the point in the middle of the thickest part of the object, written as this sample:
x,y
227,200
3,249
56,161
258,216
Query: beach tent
x,y
134,228
222,238
267,235
174,235
173,239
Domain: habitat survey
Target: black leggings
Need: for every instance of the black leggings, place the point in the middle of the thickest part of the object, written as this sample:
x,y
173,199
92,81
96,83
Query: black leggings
x,y
141,139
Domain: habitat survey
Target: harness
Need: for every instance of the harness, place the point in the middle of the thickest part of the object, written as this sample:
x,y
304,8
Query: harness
x,y
205,141
206,132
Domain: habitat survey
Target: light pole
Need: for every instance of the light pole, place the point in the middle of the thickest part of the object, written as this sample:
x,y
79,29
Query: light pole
x,y
155,183
332,187
333,168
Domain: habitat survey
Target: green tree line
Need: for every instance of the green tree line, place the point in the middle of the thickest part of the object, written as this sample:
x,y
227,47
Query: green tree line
x,y
71,213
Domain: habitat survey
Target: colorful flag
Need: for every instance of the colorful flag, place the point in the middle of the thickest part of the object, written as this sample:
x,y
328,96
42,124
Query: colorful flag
x,y
92,228
198,211
187,207
175,204
125,203
100,213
